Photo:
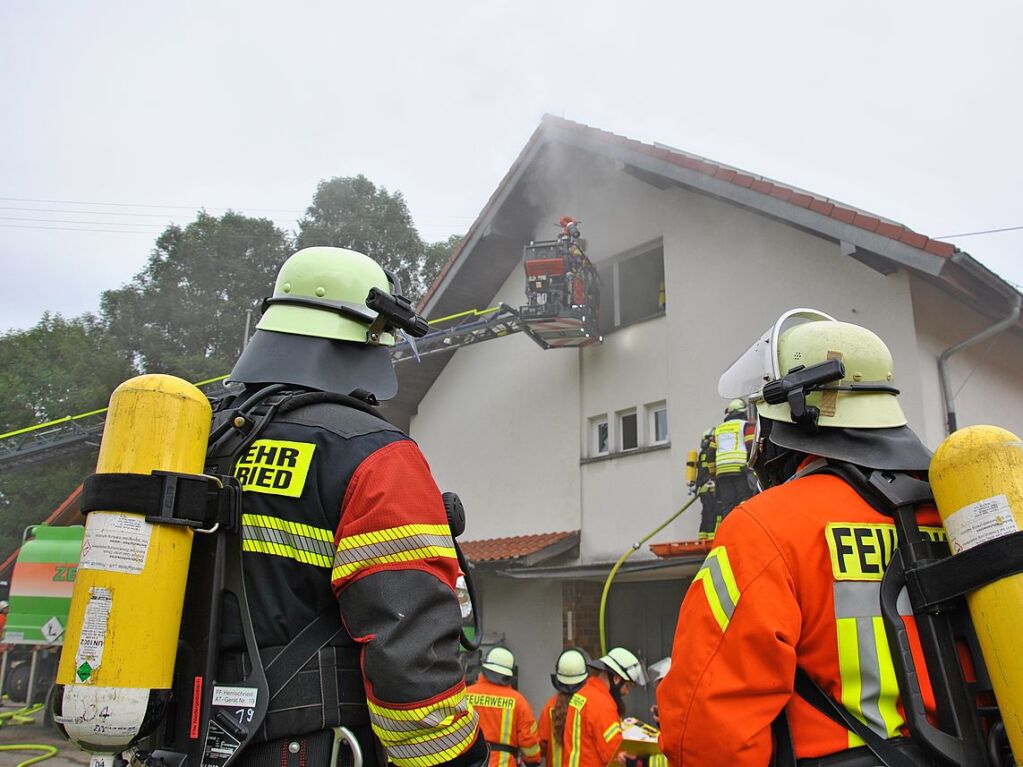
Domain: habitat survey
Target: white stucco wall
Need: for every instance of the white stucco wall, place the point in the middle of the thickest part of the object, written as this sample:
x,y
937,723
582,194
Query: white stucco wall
x,y
987,376
528,614
506,424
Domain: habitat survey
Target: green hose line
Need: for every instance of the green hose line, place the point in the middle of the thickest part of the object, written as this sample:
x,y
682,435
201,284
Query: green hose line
x,y
20,716
621,561
48,752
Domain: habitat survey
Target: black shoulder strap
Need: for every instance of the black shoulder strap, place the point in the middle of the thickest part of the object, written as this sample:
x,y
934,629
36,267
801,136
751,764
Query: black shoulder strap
x,y
883,749
284,666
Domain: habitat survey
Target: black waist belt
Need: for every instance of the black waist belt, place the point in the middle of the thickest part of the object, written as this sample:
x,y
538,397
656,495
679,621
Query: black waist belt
x,y
862,757
326,691
513,750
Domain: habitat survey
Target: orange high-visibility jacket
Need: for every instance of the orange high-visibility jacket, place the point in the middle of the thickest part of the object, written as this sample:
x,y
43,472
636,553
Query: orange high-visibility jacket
x,y
549,745
794,578
593,731
506,719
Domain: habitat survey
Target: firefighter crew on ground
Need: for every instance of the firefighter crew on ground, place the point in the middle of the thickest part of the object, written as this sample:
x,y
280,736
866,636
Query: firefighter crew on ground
x,y
593,727
570,674
794,578
729,458
709,517
505,716
343,518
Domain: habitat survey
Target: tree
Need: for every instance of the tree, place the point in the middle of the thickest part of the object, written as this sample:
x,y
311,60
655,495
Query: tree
x,y
353,212
437,254
185,312
59,367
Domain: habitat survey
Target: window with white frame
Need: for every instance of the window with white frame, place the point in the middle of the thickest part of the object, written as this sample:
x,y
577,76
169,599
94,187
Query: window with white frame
x,y
628,430
600,442
657,423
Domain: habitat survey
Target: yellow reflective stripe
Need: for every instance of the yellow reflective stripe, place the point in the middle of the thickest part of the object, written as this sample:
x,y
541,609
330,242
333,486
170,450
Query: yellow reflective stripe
x,y
427,552
577,702
887,701
531,750
427,735
390,534
289,552
276,523
507,715
611,731
719,586
849,672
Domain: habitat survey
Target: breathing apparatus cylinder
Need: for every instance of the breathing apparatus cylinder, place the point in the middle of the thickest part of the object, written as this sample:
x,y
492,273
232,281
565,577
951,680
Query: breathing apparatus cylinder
x,y
977,478
116,668
692,459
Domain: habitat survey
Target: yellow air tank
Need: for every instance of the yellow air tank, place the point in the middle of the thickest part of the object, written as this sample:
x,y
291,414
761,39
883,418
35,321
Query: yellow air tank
x,y
977,478
691,466
117,663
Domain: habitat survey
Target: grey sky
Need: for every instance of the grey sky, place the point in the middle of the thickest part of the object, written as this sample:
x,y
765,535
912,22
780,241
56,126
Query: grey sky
x,y
910,110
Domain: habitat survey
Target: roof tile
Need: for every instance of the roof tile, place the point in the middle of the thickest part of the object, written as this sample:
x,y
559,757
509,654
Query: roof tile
x,y
759,185
844,215
511,547
821,206
892,231
781,192
866,222
913,239
800,199
943,249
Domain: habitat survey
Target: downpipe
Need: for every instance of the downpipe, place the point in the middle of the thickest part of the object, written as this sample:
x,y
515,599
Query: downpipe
x,y
948,395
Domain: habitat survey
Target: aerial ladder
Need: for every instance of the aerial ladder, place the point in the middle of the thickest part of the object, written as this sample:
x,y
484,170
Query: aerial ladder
x,y
561,311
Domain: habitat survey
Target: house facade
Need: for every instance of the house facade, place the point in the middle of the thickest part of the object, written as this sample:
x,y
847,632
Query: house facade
x,y
566,457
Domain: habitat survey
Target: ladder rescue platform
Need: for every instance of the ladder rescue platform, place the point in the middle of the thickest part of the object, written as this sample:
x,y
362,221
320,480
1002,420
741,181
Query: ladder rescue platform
x,y
562,291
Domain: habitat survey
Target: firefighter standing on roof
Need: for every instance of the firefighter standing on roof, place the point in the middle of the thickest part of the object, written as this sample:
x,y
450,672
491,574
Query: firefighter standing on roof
x,y
505,716
709,516
342,521
794,578
728,456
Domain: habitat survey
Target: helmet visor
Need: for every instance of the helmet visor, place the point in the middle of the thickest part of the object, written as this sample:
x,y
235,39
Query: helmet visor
x,y
759,364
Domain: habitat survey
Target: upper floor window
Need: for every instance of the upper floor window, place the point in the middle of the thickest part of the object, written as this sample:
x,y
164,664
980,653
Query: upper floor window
x,y
657,423
632,287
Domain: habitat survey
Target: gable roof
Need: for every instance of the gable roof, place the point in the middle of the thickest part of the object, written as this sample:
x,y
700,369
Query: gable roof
x,y
487,254
525,550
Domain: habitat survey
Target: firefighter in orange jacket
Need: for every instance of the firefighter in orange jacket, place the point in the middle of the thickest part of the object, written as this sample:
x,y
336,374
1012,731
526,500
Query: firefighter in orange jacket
x,y
593,727
794,578
343,529
505,716
569,676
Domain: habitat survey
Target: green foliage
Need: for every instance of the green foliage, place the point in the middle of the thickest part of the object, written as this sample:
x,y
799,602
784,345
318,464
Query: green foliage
x,y
355,213
59,367
184,314
437,254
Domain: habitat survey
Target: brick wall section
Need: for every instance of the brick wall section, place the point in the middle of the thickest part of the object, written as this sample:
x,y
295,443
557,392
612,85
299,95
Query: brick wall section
x,y
583,599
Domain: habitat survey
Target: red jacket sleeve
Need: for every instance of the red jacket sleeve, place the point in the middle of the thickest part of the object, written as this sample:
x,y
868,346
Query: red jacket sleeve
x,y
394,574
734,653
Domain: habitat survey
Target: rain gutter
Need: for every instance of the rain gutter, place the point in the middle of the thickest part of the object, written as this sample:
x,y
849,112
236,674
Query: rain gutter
x,y
1015,299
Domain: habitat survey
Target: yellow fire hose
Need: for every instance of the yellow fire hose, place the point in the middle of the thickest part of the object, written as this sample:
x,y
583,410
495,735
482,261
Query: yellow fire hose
x,y
24,716
621,561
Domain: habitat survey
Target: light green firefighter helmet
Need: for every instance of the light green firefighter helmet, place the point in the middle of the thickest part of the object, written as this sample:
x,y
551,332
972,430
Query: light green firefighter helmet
x,y
327,326
314,281
735,406
864,399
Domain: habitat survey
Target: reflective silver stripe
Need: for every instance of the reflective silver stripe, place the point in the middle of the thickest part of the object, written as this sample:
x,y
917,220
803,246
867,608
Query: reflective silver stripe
x,y
434,745
284,538
717,578
870,676
433,719
862,599
386,548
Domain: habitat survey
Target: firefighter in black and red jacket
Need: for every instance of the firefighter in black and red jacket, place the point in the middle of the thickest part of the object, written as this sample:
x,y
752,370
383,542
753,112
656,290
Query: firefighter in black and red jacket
x,y
342,517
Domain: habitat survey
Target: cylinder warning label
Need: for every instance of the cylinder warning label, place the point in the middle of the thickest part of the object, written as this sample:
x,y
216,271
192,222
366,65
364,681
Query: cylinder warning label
x,y
980,522
115,542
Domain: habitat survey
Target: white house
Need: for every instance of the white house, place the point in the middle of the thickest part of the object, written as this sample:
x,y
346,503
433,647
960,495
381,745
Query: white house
x,y
517,431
